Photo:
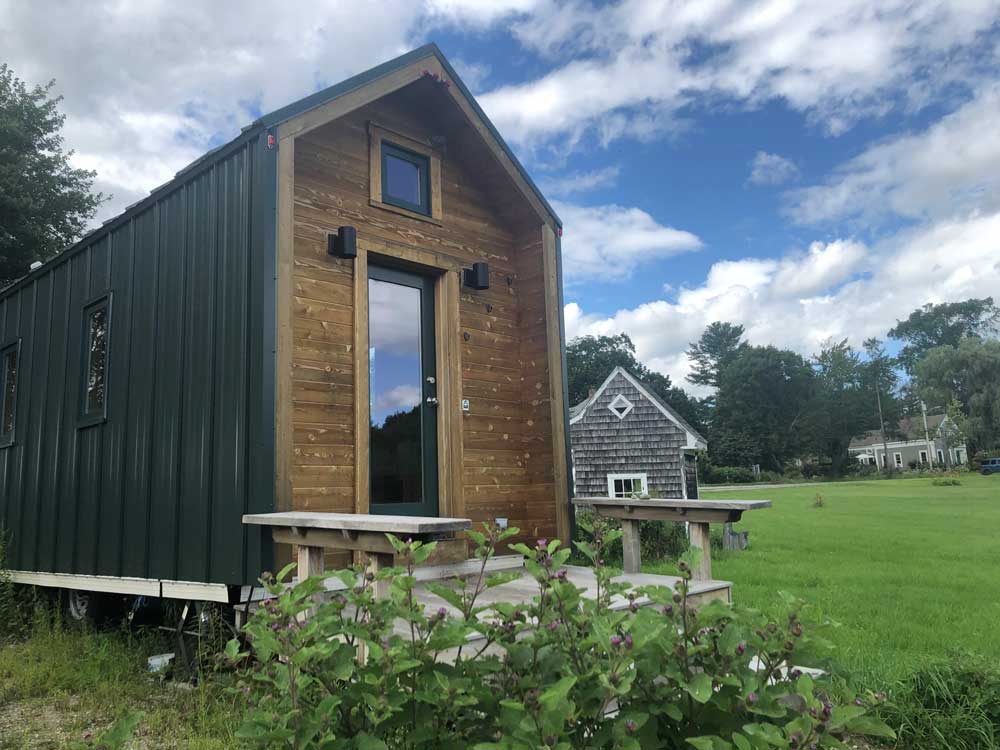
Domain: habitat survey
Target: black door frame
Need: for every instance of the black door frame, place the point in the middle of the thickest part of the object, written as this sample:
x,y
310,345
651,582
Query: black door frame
x,y
425,284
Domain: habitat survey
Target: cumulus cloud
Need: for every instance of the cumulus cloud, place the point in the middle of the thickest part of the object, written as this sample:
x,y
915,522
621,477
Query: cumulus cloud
x,y
771,169
836,290
948,169
626,67
609,242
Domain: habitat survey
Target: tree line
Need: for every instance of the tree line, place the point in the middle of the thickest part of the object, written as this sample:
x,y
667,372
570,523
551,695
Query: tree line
x,y
770,406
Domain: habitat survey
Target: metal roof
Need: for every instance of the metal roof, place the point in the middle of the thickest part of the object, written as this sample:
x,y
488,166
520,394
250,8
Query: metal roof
x,y
273,119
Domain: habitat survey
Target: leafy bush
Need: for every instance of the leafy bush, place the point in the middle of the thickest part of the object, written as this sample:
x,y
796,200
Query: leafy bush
x,y
948,707
946,481
658,540
712,474
18,604
562,671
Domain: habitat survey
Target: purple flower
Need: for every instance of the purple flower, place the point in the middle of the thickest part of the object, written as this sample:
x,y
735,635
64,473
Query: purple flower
x,y
741,648
442,613
616,641
752,699
668,609
630,726
858,702
542,543
628,640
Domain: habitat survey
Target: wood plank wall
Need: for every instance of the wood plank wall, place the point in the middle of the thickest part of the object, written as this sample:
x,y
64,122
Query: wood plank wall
x,y
507,435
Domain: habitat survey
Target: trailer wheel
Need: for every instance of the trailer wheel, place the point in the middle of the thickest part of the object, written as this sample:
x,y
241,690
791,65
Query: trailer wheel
x,y
81,606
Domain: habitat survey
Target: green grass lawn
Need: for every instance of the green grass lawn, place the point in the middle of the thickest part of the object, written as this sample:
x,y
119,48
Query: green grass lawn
x,y
910,570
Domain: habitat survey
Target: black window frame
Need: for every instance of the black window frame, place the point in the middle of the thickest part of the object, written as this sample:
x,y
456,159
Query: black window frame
x,y
87,419
8,439
423,164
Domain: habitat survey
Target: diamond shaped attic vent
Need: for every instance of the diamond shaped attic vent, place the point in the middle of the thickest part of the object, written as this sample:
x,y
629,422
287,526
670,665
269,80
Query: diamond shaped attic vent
x,y
620,406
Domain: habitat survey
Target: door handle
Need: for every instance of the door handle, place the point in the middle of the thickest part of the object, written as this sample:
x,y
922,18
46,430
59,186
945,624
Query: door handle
x,y
432,401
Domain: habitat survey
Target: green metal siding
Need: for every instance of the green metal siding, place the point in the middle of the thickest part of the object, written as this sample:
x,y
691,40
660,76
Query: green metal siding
x,y
157,490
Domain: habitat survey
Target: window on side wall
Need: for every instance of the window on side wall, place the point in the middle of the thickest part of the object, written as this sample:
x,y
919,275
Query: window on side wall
x,y
9,361
96,341
897,458
627,485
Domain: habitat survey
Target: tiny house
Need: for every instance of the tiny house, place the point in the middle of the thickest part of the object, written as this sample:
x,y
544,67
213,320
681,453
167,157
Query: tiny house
x,y
354,306
627,441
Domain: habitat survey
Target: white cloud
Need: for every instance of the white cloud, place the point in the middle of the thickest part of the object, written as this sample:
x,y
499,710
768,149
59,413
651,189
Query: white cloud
x,y
771,169
151,86
400,398
627,68
949,168
581,182
609,242
837,290
478,12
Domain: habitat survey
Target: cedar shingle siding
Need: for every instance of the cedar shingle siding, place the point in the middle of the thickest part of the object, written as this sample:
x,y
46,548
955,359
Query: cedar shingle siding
x,y
644,442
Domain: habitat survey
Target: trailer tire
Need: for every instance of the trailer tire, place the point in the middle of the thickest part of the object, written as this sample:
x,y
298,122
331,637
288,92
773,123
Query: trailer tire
x,y
82,606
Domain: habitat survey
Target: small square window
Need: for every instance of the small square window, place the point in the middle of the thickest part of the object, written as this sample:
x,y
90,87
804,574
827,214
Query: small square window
x,y
405,179
96,335
8,381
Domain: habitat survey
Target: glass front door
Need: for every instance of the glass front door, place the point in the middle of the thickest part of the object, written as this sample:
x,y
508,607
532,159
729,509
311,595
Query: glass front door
x,y
403,393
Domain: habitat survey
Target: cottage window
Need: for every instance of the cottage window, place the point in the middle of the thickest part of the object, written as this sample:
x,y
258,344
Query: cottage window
x,y
405,179
923,457
620,406
8,382
626,485
96,322
940,454
897,458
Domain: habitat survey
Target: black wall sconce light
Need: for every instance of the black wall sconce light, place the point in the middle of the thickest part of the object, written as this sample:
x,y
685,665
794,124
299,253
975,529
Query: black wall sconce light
x,y
343,244
477,277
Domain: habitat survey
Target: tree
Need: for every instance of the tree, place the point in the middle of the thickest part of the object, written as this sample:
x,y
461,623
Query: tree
x,y
881,380
719,344
841,407
590,359
44,202
760,405
945,324
968,373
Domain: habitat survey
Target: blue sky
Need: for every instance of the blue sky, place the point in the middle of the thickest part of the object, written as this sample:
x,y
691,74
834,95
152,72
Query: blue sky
x,y
813,170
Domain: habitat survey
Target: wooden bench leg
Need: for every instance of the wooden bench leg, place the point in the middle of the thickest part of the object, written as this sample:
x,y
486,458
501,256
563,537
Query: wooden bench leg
x,y
310,564
378,561
699,535
631,548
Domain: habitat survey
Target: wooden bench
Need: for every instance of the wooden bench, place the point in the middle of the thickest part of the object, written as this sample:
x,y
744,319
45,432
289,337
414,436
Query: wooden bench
x,y
699,514
312,533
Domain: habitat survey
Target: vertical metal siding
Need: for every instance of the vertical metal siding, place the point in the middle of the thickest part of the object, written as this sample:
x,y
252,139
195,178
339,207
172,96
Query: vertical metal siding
x,y
158,489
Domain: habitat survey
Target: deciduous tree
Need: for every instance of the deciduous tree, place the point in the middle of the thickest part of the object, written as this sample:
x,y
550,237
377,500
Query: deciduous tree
x,y
944,324
44,202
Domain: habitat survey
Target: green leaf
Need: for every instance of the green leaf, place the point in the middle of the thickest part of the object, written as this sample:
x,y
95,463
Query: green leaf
x,y
557,692
447,593
283,573
700,687
367,742
741,742
870,726
499,579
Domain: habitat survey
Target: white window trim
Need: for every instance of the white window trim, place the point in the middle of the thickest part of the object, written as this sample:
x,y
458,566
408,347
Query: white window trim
x,y
617,401
940,456
897,459
631,475
924,457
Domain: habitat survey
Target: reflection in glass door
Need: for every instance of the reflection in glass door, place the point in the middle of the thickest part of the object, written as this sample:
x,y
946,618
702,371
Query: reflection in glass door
x,y
403,393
